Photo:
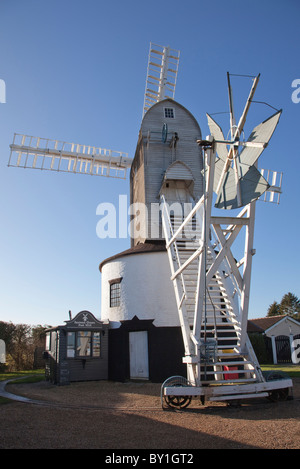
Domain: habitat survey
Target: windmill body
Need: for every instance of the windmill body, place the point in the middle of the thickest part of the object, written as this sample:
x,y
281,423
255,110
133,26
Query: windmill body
x,y
167,160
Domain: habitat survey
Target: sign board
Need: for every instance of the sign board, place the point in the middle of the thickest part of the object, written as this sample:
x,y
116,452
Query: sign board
x,y
84,320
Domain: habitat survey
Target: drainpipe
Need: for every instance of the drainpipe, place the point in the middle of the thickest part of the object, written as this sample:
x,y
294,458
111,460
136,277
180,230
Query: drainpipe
x,y
56,358
274,350
291,345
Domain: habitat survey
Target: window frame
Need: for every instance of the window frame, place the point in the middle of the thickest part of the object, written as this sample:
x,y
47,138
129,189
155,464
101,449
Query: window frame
x,y
48,342
115,292
93,345
169,112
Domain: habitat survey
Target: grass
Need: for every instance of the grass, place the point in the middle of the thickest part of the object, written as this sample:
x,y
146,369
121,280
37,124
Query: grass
x,y
4,400
30,376
33,376
292,370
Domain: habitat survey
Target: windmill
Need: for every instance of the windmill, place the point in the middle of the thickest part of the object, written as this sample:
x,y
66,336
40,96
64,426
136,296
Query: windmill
x,y
174,167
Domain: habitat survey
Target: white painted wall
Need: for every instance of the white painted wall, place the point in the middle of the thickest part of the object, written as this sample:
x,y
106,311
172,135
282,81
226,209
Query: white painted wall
x,y
146,289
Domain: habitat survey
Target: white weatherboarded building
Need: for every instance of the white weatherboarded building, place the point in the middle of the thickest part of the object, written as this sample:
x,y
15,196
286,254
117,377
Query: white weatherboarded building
x,y
137,294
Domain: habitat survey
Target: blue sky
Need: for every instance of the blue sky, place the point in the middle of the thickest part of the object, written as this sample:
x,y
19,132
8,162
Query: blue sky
x,y
75,70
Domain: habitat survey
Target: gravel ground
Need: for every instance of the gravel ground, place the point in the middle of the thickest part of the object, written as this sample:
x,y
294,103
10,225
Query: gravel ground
x,y
109,415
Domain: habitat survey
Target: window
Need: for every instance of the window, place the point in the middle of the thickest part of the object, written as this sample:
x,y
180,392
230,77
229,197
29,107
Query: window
x,y
96,344
169,112
115,292
48,341
71,345
83,344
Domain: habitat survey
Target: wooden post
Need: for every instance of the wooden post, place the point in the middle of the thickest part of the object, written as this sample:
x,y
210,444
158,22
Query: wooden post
x,y
249,251
208,193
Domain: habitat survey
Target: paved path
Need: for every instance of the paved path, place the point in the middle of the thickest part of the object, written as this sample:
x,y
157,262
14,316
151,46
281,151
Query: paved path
x,y
15,397
27,400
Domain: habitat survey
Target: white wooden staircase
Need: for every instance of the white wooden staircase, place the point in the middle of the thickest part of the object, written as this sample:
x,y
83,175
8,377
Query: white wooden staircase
x,y
219,329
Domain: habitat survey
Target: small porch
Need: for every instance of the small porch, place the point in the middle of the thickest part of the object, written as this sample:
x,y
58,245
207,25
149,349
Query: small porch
x,y
282,334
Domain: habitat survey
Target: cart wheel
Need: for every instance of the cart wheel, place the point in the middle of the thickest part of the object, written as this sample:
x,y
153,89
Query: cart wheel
x,y
176,402
179,402
278,395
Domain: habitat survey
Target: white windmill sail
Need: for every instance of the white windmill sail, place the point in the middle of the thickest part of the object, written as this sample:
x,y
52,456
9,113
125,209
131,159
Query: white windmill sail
x,y
251,182
259,139
161,74
56,155
237,180
221,149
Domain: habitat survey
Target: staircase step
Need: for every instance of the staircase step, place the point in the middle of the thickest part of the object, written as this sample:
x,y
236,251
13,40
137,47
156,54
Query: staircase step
x,y
224,347
227,381
220,325
229,372
235,363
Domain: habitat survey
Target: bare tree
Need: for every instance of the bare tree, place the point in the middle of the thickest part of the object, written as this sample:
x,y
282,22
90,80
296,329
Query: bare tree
x,y
21,342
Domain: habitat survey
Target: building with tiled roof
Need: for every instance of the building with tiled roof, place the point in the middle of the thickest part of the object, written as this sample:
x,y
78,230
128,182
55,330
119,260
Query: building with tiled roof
x,y
283,331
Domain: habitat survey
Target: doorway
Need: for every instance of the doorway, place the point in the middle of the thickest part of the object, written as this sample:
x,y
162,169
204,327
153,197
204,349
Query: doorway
x,y
138,355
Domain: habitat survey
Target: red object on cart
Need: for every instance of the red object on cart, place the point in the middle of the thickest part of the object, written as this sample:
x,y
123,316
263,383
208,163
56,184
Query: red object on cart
x,y
230,376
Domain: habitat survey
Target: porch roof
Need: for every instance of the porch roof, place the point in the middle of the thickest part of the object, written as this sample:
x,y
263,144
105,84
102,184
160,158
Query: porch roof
x,y
262,324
